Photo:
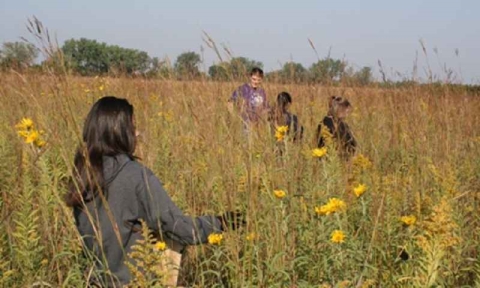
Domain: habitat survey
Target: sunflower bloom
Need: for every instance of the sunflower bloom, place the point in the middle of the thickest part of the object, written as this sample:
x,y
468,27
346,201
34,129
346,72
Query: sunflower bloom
x,y
39,143
280,194
25,124
337,236
32,137
333,205
319,152
359,190
281,132
408,220
215,239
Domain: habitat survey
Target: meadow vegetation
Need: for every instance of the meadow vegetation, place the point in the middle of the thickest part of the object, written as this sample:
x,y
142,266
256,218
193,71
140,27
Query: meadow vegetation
x,y
403,213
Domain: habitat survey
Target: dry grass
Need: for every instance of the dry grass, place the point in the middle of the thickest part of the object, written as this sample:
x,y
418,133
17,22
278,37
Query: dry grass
x,y
424,143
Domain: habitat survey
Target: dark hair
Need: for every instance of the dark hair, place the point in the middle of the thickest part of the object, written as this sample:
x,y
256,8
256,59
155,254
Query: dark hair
x,y
283,99
256,71
335,103
108,131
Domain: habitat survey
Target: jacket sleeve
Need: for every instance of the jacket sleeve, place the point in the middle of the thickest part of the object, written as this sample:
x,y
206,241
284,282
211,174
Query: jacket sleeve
x,y
164,216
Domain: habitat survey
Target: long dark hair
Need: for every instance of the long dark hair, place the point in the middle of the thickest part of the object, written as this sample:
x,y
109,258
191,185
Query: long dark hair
x,y
283,99
108,131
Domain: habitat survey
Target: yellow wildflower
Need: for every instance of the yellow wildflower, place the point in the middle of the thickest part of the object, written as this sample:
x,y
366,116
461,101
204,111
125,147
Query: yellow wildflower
x,y
39,143
319,152
281,132
25,124
251,236
279,193
101,88
361,162
32,137
160,246
359,189
333,205
215,238
337,236
44,262
408,220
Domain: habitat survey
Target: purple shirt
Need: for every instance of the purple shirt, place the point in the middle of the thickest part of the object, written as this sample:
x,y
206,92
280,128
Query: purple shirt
x,y
253,101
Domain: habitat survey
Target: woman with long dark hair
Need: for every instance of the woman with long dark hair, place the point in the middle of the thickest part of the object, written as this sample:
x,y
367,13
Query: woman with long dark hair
x,y
334,123
111,192
281,116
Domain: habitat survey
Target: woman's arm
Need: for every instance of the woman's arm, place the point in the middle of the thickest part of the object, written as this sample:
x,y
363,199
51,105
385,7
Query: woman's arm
x,y
163,215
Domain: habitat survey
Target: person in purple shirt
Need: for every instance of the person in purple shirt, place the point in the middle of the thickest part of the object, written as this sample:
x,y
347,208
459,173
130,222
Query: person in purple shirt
x,y
250,98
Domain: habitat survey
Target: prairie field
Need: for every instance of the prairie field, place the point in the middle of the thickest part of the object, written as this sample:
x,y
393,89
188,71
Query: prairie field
x,y
409,200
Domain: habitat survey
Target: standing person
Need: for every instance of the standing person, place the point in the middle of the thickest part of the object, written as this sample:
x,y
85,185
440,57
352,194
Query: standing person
x,y
111,192
250,98
335,125
280,116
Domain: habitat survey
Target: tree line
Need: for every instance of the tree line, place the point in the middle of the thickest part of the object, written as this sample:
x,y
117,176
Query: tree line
x,y
89,57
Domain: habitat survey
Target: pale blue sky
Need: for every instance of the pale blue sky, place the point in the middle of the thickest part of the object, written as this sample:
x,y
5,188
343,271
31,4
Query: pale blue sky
x,y
273,32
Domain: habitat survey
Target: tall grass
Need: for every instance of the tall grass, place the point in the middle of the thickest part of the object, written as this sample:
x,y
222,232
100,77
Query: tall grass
x,y
423,143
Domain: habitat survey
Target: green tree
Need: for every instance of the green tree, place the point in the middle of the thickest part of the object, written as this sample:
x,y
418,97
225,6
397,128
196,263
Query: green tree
x,y
160,68
18,54
89,57
219,72
240,67
186,66
364,76
327,70
237,68
293,72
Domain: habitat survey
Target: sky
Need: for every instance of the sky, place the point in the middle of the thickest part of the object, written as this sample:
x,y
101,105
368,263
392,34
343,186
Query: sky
x,y
361,32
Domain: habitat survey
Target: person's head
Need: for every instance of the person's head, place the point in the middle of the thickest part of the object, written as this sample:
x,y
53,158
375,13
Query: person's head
x,y
109,130
284,100
339,107
256,77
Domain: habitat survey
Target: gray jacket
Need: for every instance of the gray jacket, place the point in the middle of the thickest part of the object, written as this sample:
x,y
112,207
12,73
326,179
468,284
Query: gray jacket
x,y
110,226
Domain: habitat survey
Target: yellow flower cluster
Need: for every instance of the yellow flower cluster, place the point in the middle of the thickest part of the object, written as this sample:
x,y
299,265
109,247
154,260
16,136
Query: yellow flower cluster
x,y
359,189
279,193
215,239
326,135
319,152
160,246
333,205
338,236
26,129
361,162
281,132
408,220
